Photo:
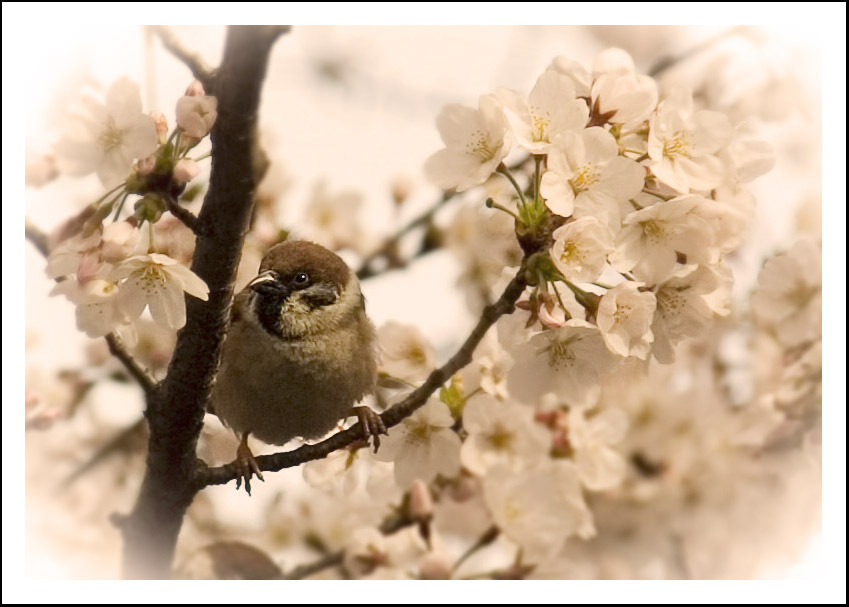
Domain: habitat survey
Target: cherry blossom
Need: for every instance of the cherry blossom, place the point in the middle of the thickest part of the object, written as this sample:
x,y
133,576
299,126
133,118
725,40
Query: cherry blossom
x,y
682,311
332,219
406,354
500,433
789,294
423,445
599,465
683,144
107,138
158,282
538,508
185,170
568,361
476,142
619,92
587,173
97,302
580,249
64,259
579,75
652,238
120,240
196,114
624,317
550,109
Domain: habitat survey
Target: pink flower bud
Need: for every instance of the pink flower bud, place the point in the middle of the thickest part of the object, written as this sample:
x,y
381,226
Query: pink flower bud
x,y
551,316
196,115
40,169
161,124
421,503
402,186
545,417
195,89
120,240
436,566
185,141
560,443
145,166
465,489
42,420
89,266
185,170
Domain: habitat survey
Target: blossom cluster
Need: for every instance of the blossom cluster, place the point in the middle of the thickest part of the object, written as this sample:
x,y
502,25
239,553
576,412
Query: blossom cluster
x,y
113,270
633,201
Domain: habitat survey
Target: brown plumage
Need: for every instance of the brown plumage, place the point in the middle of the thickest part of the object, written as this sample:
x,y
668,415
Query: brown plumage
x,y
300,351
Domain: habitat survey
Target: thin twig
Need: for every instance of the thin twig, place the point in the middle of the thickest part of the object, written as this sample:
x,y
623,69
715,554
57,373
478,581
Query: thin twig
x,y
195,64
389,244
391,524
664,63
188,218
365,271
39,239
483,541
36,236
329,561
139,373
394,415
115,444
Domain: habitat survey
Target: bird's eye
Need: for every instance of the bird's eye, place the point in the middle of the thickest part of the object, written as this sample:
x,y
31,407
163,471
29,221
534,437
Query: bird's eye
x,y
301,279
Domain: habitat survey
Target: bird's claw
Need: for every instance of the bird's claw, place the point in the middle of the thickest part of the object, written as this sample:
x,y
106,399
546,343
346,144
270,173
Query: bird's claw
x,y
247,465
372,423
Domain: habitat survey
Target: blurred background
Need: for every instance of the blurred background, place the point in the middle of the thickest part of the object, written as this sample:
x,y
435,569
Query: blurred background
x,y
349,113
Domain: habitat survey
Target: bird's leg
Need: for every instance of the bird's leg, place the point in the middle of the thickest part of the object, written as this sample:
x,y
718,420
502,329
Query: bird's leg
x,y
373,425
247,464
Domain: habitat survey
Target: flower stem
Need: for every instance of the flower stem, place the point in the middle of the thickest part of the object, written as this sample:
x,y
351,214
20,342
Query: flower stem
x,y
485,540
120,207
506,172
658,195
583,297
537,162
109,193
151,247
490,203
560,300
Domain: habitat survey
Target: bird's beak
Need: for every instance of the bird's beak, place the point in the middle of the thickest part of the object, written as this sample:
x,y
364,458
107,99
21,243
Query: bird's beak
x,y
265,277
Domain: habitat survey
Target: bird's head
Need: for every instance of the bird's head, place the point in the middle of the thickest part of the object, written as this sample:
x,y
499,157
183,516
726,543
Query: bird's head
x,y
303,289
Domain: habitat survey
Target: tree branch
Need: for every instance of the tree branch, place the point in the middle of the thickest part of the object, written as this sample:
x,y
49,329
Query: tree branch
x,y
365,271
195,64
175,410
390,243
139,373
188,218
39,239
334,559
392,416
389,525
665,63
117,443
36,236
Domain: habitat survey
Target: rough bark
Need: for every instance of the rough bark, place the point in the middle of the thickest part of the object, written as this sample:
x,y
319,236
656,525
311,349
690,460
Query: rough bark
x,y
175,408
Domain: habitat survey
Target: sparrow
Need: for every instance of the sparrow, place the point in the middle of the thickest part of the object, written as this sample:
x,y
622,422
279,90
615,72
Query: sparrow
x,y
299,353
